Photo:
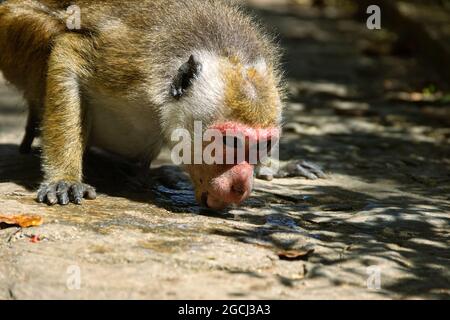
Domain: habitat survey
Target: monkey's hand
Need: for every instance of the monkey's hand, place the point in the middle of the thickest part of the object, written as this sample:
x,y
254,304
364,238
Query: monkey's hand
x,y
63,193
300,168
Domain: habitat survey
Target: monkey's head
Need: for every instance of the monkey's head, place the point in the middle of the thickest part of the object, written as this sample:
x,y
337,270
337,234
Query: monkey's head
x,y
232,112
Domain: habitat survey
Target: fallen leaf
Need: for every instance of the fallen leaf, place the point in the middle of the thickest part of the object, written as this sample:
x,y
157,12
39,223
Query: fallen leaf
x,y
292,255
22,220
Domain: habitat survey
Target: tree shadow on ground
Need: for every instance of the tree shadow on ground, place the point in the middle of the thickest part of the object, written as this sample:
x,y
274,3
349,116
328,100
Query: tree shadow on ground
x,y
418,168
394,230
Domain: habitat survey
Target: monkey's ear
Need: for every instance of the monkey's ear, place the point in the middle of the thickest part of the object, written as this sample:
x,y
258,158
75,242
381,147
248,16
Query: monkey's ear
x,y
183,80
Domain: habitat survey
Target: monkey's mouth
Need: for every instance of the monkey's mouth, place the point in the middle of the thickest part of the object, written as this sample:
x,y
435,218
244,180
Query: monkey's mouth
x,y
230,188
204,199
210,202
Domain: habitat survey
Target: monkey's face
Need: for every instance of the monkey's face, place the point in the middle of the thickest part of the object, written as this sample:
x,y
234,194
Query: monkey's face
x,y
218,186
225,176
234,99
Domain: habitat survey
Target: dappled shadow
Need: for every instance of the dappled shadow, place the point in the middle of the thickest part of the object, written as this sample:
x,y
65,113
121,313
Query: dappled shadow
x,y
389,139
391,225
351,124
19,168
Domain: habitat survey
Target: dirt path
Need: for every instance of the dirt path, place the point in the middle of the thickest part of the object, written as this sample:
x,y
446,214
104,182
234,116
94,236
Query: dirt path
x,y
384,208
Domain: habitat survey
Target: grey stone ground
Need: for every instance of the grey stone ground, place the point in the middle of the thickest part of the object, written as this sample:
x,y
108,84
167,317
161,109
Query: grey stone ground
x,y
385,204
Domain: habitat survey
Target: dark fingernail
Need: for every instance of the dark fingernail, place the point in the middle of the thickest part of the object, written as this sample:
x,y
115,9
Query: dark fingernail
x,y
64,200
91,194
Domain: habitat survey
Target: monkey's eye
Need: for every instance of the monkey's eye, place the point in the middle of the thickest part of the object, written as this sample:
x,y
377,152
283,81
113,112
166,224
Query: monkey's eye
x,y
186,74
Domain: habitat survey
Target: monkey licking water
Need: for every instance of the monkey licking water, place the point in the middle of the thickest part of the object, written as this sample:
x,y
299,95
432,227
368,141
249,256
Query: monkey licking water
x,y
130,75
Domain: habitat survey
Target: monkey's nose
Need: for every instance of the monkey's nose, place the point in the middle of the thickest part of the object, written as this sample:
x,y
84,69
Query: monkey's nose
x,y
241,180
233,187
238,189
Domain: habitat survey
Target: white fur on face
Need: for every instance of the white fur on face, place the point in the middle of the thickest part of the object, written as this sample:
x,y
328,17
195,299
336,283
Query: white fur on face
x,y
202,101
261,67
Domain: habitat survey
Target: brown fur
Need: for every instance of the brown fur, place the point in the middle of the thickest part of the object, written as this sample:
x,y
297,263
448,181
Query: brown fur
x,y
127,52
250,96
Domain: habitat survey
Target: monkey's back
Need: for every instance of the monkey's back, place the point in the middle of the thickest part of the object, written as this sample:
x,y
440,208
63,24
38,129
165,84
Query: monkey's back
x,y
137,42
166,27
26,31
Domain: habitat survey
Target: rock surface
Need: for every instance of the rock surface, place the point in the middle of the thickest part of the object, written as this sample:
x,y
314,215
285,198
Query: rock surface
x,y
383,209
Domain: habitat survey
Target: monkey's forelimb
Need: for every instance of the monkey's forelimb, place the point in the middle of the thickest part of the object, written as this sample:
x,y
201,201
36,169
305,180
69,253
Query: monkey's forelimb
x,y
64,131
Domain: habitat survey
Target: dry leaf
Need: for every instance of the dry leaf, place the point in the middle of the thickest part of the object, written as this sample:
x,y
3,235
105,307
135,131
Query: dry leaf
x,y
22,220
292,255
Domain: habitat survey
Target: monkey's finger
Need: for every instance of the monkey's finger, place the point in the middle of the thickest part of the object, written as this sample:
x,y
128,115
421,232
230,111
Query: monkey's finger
x,y
320,174
301,171
282,173
51,194
296,170
314,169
62,190
77,191
265,177
42,193
264,173
89,192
